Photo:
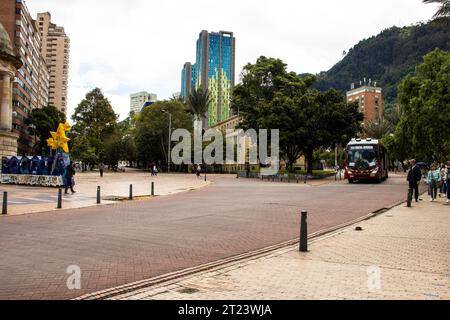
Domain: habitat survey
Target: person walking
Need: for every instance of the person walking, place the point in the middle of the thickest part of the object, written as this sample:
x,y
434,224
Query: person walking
x,y
447,181
414,177
155,170
198,171
433,181
69,178
443,188
101,167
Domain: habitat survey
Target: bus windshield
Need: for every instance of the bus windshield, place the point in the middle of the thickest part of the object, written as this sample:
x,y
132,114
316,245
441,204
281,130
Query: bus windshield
x,y
362,157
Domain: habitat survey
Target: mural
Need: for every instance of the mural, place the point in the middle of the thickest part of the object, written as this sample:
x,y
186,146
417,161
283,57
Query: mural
x,y
38,170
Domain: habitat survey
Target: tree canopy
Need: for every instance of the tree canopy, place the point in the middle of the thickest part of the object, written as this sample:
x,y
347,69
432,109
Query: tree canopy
x,y
40,122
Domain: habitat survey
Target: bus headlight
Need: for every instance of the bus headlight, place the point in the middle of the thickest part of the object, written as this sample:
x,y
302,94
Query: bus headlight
x,y
375,172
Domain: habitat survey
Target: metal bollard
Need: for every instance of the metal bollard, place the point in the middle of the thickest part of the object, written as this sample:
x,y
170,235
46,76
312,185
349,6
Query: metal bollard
x,y
5,203
304,232
131,192
99,200
306,177
153,188
409,199
205,177
59,204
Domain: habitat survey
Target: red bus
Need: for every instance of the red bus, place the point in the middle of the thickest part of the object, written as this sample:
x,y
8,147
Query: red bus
x,y
366,160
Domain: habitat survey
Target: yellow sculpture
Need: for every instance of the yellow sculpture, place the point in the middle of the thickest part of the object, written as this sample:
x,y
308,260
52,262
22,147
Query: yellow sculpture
x,y
59,139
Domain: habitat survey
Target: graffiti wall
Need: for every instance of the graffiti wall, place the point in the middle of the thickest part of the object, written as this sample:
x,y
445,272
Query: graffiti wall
x,y
39,171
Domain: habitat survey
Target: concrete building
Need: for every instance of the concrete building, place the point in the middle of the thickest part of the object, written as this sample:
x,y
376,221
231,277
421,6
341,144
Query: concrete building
x,y
9,64
369,98
30,87
138,100
55,49
214,70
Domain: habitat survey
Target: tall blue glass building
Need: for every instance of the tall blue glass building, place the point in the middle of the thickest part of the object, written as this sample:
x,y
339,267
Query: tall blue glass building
x,y
215,70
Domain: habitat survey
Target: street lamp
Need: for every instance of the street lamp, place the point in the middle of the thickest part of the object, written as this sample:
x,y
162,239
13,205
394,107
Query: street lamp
x,y
170,133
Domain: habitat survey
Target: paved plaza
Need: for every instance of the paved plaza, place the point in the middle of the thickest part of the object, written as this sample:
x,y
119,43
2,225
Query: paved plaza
x,y
126,242
114,186
401,254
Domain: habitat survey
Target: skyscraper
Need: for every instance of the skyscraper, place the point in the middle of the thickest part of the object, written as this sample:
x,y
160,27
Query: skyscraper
x,y
55,48
214,70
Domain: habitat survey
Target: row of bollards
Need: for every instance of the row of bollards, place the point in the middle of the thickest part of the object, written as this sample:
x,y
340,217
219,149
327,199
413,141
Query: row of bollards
x,y
59,201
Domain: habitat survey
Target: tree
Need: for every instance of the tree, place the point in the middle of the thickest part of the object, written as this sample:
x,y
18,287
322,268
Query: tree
x,y
423,130
82,150
269,97
40,122
152,126
330,120
198,102
444,9
94,118
377,128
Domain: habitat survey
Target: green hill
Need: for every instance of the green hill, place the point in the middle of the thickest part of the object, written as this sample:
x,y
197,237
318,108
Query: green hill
x,y
386,58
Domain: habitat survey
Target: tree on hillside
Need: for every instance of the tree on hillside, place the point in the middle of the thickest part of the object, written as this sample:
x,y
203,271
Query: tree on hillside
x,y
444,9
425,97
40,122
152,126
94,118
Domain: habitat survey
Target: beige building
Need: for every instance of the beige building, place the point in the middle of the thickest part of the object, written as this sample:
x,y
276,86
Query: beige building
x,y
9,64
30,87
55,49
138,100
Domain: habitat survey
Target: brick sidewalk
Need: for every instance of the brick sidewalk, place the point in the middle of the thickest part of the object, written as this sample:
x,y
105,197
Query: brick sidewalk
x,y
409,248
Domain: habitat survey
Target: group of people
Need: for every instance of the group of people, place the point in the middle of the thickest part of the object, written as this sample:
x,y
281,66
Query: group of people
x,y
437,179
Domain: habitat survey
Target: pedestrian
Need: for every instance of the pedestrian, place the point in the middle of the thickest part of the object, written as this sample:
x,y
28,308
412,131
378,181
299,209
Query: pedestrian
x,y
198,171
443,188
433,181
101,167
414,177
155,170
447,181
69,178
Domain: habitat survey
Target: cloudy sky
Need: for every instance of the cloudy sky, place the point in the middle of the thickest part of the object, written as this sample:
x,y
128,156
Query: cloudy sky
x,y
126,46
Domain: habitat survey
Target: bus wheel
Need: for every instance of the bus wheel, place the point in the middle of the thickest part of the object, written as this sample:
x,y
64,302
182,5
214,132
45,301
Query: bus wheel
x,y
350,181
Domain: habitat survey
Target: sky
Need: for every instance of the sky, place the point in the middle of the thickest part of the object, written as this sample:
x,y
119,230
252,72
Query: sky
x,y
127,46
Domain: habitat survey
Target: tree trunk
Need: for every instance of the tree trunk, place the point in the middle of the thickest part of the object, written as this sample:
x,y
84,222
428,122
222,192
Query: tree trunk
x,y
309,161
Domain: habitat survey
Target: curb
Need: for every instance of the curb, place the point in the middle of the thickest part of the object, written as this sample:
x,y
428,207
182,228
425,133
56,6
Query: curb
x,y
147,283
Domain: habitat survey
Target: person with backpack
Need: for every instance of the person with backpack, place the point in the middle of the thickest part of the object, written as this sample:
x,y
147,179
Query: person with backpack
x,y
69,178
414,177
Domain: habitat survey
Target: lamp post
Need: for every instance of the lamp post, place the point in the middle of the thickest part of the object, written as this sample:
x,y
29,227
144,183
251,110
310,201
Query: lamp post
x,y
170,133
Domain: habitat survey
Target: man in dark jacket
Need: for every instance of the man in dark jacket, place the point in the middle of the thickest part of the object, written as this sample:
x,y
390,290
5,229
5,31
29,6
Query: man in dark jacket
x,y
70,172
414,177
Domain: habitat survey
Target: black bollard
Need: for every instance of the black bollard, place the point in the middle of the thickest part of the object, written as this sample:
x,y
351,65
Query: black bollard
x,y
5,203
98,195
153,188
205,177
304,232
409,199
59,204
131,192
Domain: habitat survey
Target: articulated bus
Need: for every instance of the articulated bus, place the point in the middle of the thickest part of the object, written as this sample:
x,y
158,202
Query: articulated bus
x,y
366,160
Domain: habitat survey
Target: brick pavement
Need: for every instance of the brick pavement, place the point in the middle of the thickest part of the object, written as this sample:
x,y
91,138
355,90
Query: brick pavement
x,y
132,241
410,246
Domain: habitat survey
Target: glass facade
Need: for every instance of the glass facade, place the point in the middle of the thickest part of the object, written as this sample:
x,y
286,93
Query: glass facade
x,y
217,70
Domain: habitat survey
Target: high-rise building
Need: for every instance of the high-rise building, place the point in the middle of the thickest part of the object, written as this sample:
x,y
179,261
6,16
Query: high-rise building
x,y
55,49
369,98
30,87
214,70
138,100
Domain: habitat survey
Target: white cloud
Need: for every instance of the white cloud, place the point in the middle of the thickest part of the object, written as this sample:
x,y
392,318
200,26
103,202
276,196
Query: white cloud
x,y
125,46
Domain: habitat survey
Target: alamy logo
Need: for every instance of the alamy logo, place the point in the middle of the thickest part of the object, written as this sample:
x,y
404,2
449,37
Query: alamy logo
x,y
374,278
241,147
74,280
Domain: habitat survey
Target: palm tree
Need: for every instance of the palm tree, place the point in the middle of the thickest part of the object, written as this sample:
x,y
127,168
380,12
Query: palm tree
x,y
444,10
198,102
377,129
